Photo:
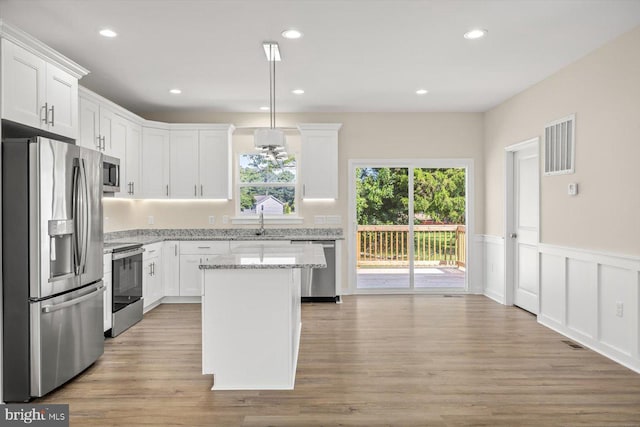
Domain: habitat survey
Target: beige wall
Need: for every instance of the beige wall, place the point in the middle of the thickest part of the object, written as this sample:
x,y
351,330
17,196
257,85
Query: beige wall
x,y
363,136
603,89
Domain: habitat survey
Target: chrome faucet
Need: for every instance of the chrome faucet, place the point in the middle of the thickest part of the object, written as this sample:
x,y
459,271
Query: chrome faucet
x,y
260,231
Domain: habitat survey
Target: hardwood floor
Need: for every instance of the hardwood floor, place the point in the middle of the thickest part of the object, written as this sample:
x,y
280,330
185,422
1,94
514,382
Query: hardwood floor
x,y
371,361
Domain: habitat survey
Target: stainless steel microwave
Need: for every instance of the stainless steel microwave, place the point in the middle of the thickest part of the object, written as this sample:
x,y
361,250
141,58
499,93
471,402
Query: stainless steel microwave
x,y
110,174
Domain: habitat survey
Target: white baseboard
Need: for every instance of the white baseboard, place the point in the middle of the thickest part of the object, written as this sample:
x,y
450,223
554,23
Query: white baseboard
x,y
181,300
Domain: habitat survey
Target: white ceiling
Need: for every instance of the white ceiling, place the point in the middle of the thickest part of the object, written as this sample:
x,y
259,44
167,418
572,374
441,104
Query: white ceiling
x,y
355,55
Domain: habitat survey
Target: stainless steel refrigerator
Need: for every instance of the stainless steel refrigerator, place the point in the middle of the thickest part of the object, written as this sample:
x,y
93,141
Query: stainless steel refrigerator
x,y
52,264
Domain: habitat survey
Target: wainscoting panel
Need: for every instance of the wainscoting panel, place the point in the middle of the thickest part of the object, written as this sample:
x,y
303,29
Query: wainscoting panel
x,y
594,299
552,289
493,250
582,297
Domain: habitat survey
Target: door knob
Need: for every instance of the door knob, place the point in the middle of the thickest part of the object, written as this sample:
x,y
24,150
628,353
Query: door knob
x,y
513,235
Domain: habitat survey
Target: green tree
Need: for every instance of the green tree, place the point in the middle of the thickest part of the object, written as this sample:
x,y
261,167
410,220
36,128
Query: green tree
x,y
382,195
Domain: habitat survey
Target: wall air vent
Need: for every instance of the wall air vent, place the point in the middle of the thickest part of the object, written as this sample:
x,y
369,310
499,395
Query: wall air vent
x,y
559,146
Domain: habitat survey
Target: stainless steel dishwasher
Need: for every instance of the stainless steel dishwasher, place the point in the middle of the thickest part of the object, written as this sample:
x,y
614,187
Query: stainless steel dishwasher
x,y
319,284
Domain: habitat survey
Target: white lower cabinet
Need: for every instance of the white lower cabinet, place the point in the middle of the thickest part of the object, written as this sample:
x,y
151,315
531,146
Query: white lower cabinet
x,y
152,290
108,293
192,254
171,269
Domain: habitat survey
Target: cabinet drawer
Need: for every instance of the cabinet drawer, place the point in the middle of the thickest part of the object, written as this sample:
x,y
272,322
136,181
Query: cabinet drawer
x,y
204,247
152,250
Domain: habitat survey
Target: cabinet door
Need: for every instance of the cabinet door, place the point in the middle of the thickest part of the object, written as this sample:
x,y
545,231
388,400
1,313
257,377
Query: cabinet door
x,y
184,164
151,282
62,100
171,269
319,162
89,136
131,181
190,275
215,165
107,299
107,119
23,86
119,136
155,163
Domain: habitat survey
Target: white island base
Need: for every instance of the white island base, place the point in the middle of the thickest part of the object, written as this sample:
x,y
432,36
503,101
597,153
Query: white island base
x,y
251,328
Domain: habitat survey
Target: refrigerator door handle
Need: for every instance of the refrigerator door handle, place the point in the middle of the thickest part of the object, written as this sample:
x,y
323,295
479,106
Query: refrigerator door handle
x,y
85,216
76,218
55,307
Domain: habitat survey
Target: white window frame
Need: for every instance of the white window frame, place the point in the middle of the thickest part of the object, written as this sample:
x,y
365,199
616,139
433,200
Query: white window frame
x,y
240,218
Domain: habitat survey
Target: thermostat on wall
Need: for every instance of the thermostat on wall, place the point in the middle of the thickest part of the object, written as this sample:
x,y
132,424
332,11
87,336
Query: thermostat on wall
x,y
572,190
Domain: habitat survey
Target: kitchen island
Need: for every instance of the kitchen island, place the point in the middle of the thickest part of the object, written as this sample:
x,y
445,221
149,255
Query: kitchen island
x,y
251,314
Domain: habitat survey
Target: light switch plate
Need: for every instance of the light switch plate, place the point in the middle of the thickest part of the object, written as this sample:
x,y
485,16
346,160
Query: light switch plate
x,y
151,220
319,219
225,219
212,219
572,189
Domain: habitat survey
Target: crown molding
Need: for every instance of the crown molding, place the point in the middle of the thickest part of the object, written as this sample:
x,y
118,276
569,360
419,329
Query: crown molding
x,y
319,126
40,49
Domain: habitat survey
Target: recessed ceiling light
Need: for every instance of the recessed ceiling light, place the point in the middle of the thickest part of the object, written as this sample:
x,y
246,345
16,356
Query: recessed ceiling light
x,y
264,108
175,91
475,34
106,32
422,92
298,91
291,34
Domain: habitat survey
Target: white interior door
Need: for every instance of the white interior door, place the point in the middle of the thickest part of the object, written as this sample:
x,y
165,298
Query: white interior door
x,y
525,228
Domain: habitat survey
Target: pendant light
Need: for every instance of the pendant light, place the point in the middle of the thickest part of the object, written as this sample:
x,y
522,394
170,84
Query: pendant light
x,y
271,141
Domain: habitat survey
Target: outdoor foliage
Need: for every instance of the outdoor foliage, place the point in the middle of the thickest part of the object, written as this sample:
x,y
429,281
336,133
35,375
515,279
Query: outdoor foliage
x,y
382,195
257,169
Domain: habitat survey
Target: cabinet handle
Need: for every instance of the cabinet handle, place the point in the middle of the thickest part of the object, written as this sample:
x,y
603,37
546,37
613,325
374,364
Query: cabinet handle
x,y
99,144
46,113
129,191
304,189
204,247
133,187
175,250
167,191
104,143
52,115
195,190
201,190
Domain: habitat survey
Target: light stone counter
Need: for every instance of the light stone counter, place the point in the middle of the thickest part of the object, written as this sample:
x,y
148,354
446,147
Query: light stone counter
x,y
261,256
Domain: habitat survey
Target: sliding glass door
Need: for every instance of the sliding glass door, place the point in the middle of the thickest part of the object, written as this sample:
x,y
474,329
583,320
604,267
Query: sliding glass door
x,y
410,231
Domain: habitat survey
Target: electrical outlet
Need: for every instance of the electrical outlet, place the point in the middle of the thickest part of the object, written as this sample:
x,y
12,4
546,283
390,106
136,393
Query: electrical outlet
x,y
319,219
572,189
212,219
151,220
225,219
619,309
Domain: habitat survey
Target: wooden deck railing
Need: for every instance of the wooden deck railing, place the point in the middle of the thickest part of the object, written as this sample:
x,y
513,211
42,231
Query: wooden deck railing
x,y
388,245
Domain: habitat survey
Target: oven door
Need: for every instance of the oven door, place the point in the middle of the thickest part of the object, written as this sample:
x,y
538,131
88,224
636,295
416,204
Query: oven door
x,y
127,278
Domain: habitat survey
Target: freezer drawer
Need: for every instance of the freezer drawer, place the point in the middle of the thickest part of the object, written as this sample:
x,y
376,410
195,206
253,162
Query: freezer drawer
x,y
66,336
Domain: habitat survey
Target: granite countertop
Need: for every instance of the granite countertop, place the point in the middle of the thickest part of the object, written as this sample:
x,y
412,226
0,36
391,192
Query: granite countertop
x,y
262,256
149,236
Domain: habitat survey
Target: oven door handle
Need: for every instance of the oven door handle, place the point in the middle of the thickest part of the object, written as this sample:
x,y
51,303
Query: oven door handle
x,y
119,255
55,307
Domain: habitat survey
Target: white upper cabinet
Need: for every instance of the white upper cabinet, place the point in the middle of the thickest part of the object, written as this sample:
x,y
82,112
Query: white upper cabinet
x,y
185,183
37,93
201,163
319,160
119,134
130,173
215,163
97,123
154,152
